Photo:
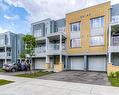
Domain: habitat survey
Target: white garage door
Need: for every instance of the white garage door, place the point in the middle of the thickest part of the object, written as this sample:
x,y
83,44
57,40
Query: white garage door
x,y
77,63
97,63
40,63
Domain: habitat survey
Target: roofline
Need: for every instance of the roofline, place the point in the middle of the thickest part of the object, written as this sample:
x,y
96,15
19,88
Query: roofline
x,y
41,21
87,7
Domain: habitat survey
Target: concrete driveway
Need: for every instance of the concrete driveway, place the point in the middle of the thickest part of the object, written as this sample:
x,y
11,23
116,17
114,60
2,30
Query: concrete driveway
x,y
96,78
27,86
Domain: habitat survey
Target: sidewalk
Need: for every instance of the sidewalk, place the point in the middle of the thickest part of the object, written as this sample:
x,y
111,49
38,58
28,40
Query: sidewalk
x,y
27,86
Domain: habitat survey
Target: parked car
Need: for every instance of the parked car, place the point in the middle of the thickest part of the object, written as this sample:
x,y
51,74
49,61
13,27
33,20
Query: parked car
x,y
16,67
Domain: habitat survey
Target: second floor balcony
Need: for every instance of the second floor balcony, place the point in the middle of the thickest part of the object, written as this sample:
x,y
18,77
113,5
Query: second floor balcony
x,y
4,55
114,47
40,51
55,48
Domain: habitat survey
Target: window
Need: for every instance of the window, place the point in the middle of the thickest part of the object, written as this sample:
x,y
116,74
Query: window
x,y
37,33
97,40
2,40
97,31
75,27
97,22
75,43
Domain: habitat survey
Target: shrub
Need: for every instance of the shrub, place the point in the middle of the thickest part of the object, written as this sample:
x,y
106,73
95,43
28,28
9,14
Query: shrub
x,y
112,75
117,74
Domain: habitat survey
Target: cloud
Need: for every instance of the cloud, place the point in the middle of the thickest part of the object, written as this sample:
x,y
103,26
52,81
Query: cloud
x,y
54,9
11,17
2,30
114,1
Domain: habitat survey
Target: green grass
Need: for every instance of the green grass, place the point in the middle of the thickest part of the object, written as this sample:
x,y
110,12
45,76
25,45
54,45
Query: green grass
x,y
1,70
3,82
34,75
114,81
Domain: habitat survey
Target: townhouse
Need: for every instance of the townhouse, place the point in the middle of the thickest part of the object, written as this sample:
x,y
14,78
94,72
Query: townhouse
x,y
11,45
113,46
51,44
84,40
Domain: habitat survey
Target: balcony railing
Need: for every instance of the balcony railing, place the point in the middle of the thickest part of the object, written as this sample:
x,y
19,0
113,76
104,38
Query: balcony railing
x,y
55,48
114,44
2,55
40,50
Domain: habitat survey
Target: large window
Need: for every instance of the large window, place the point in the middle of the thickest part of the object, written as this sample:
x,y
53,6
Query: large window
x,y
38,33
75,27
75,43
97,31
2,40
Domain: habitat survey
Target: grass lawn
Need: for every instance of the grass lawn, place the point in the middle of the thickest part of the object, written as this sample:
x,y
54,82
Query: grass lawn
x,y
3,82
34,75
1,70
114,81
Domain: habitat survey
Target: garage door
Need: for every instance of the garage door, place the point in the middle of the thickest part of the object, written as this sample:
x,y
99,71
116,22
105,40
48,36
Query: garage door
x,y
97,63
40,63
77,63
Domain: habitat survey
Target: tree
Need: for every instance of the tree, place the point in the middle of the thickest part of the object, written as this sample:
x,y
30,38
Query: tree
x,y
22,55
30,44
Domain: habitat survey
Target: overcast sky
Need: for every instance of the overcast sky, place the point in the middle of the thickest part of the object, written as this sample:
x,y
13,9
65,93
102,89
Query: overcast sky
x,y
17,15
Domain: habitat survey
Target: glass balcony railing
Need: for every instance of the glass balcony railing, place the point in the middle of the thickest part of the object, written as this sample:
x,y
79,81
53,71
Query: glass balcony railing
x,y
40,50
114,44
2,55
55,47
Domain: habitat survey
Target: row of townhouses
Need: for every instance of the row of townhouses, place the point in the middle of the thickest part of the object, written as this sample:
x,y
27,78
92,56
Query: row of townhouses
x,y
11,45
86,39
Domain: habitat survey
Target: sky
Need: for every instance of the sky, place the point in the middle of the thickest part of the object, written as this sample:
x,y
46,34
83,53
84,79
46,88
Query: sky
x,y
17,15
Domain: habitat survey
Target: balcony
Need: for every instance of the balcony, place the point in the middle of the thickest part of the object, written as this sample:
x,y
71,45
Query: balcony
x,y
58,32
114,44
40,51
55,49
2,55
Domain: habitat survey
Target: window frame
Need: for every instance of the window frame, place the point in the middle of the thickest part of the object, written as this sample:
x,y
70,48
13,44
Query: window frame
x,y
75,24
94,35
72,46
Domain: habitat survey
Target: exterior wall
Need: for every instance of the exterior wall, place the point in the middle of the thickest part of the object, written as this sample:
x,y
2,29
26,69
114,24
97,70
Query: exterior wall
x,y
112,68
115,10
83,16
60,23
114,65
115,59
42,25
19,45
15,43
58,67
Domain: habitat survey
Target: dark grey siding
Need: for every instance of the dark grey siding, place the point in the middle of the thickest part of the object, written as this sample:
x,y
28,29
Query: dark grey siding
x,y
115,10
41,27
61,23
115,59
